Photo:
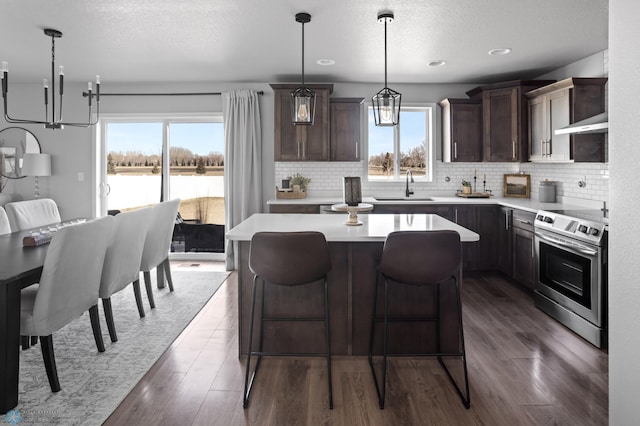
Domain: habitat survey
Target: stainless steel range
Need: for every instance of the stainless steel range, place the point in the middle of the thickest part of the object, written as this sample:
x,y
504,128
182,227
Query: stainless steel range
x,y
571,257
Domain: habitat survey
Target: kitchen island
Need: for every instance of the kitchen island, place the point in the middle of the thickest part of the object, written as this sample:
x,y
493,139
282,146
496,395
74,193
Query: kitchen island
x,y
355,253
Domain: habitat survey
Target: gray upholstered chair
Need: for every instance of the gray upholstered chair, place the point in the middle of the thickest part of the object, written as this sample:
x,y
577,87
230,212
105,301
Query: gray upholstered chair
x,y
122,261
424,259
287,259
68,287
32,213
157,244
5,227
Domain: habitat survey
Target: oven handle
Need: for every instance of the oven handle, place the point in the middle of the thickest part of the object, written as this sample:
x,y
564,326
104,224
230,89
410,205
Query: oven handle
x,y
562,243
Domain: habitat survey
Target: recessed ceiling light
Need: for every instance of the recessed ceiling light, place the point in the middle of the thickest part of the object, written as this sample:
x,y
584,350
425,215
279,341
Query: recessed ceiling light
x,y
326,62
437,63
498,52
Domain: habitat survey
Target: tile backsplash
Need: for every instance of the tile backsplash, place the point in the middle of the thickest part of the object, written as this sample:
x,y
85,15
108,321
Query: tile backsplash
x,y
326,178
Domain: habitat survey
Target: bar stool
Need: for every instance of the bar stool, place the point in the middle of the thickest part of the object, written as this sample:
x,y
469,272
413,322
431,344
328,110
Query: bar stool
x,y
287,259
422,258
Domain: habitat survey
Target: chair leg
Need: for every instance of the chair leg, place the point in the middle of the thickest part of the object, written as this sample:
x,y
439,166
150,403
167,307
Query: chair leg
x,y
328,341
160,276
95,326
167,273
147,284
379,389
108,314
248,384
138,296
46,344
25,342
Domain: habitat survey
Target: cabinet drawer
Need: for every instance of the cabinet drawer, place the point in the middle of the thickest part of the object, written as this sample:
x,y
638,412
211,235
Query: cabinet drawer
x,y
523,220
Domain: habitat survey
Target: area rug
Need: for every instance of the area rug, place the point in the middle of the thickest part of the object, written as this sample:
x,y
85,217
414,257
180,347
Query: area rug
x,y
93,384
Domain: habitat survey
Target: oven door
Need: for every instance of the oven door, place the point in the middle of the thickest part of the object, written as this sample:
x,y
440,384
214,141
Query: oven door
x,y
569,273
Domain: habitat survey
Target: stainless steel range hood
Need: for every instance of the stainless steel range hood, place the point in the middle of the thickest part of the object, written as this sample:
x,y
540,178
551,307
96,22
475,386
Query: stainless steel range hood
x,y
596,124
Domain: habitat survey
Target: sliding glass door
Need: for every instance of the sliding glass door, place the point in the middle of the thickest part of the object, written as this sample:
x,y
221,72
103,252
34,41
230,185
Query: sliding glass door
x,y
147,160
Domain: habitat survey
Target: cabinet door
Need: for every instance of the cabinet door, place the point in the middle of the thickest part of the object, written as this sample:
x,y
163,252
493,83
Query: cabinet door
x,y
466,132
345,129
286,138
315,138
501,124
505,258
559,148
538,128
487,247
524,264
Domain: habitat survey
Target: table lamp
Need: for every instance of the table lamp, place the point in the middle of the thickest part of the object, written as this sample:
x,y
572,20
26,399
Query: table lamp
x,y
36,165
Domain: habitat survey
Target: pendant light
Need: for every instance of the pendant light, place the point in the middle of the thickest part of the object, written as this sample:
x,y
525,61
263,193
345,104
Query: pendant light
x,y
386,103
50,120
303,99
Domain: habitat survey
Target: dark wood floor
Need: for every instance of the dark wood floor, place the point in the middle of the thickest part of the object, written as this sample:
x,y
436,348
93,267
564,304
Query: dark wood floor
x,y
524,369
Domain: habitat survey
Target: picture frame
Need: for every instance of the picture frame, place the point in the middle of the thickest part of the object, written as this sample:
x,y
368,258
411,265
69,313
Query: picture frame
x,y
517,185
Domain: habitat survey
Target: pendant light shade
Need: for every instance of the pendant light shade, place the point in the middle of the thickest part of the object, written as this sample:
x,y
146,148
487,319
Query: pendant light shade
x,y
303,99
386,103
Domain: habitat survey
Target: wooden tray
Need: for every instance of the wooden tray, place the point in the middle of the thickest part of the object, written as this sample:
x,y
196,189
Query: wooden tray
x,y
291,194
475,195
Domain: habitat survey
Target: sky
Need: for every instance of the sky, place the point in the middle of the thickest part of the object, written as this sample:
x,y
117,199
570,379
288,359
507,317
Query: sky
x,y
412,133
200,138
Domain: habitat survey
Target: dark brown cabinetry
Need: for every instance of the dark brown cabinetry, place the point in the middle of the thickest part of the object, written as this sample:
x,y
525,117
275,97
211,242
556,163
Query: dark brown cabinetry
x,y
505,119
558,105
524,262
461,130
345,132
504,239
302,142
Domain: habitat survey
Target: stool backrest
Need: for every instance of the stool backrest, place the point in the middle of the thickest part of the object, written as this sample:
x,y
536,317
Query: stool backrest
x,y
421,257
289,258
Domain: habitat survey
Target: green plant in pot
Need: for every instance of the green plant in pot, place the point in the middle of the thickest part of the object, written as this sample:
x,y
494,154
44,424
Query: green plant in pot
x,y
301,181
466,187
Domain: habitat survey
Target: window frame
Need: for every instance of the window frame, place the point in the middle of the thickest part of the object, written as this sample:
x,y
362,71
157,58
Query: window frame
x,y
430,151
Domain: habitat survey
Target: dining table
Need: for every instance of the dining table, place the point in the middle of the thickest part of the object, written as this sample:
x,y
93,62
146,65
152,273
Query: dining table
x,y
20,266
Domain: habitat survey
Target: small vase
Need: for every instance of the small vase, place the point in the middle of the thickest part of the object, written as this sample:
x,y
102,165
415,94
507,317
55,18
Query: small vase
x,y
466,190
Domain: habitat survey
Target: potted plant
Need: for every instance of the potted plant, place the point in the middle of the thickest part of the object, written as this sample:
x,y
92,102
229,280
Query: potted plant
x,y
466,187
299,180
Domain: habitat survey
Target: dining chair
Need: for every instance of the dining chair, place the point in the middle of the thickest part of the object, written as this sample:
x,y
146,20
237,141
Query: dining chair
x,y
422,259
68,287
5,228
32,213
287,259
155,253
122,261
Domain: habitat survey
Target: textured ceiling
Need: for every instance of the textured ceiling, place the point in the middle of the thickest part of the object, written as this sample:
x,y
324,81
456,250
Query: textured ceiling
x,y
259,40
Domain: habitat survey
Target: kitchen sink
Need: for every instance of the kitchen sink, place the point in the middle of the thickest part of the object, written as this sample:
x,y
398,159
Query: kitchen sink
x,y
403,198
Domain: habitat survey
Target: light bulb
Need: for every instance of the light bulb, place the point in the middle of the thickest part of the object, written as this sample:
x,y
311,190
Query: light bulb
x,y
386,114
302,112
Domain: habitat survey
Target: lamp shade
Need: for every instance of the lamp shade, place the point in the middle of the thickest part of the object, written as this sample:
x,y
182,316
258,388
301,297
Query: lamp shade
x,y
36,164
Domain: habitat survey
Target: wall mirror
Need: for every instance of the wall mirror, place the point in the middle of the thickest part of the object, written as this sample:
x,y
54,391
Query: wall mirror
x,y
14,143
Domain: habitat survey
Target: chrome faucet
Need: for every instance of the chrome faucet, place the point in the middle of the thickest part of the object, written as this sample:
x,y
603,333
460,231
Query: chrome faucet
x,y
408,191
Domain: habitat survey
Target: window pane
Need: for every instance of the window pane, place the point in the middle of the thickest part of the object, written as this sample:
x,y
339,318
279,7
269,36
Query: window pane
x,y
413,131
196,164
133,164
381,150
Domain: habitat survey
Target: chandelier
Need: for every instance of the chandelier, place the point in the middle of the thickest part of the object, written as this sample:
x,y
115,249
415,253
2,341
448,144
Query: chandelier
x,y
303,99
386,103
50,120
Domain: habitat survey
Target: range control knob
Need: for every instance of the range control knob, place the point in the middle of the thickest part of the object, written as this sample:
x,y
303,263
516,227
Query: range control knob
x,y
594,231
583,228
548,219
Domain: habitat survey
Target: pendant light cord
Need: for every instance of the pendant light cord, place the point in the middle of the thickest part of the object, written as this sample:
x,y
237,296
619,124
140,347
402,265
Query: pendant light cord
x,y
385,53
302,54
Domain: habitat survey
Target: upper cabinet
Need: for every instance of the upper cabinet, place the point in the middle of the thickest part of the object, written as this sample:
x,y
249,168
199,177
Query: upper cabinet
x,y
345,141
302,142
461,130
558,105
505,119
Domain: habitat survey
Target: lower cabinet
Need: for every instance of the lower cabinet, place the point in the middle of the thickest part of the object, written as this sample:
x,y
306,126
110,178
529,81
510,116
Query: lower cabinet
x,y
504,240
524,261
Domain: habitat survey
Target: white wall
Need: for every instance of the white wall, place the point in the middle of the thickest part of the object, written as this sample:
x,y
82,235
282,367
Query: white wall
x,y
624,248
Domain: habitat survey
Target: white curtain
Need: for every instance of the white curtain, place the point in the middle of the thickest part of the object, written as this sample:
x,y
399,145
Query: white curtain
x,y
243,156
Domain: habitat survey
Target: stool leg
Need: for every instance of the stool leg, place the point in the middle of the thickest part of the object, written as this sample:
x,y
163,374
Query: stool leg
x,y
384,343
328,338
248,385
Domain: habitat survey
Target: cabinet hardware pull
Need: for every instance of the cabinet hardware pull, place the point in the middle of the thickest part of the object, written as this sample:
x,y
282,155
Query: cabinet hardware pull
x,y
513,149
542,147
356,150
549,153
533,247
304,149
526,222
456,215
455,150
506,220
298,146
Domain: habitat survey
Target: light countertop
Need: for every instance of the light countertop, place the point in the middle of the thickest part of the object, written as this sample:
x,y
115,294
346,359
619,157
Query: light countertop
x,y
375,228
